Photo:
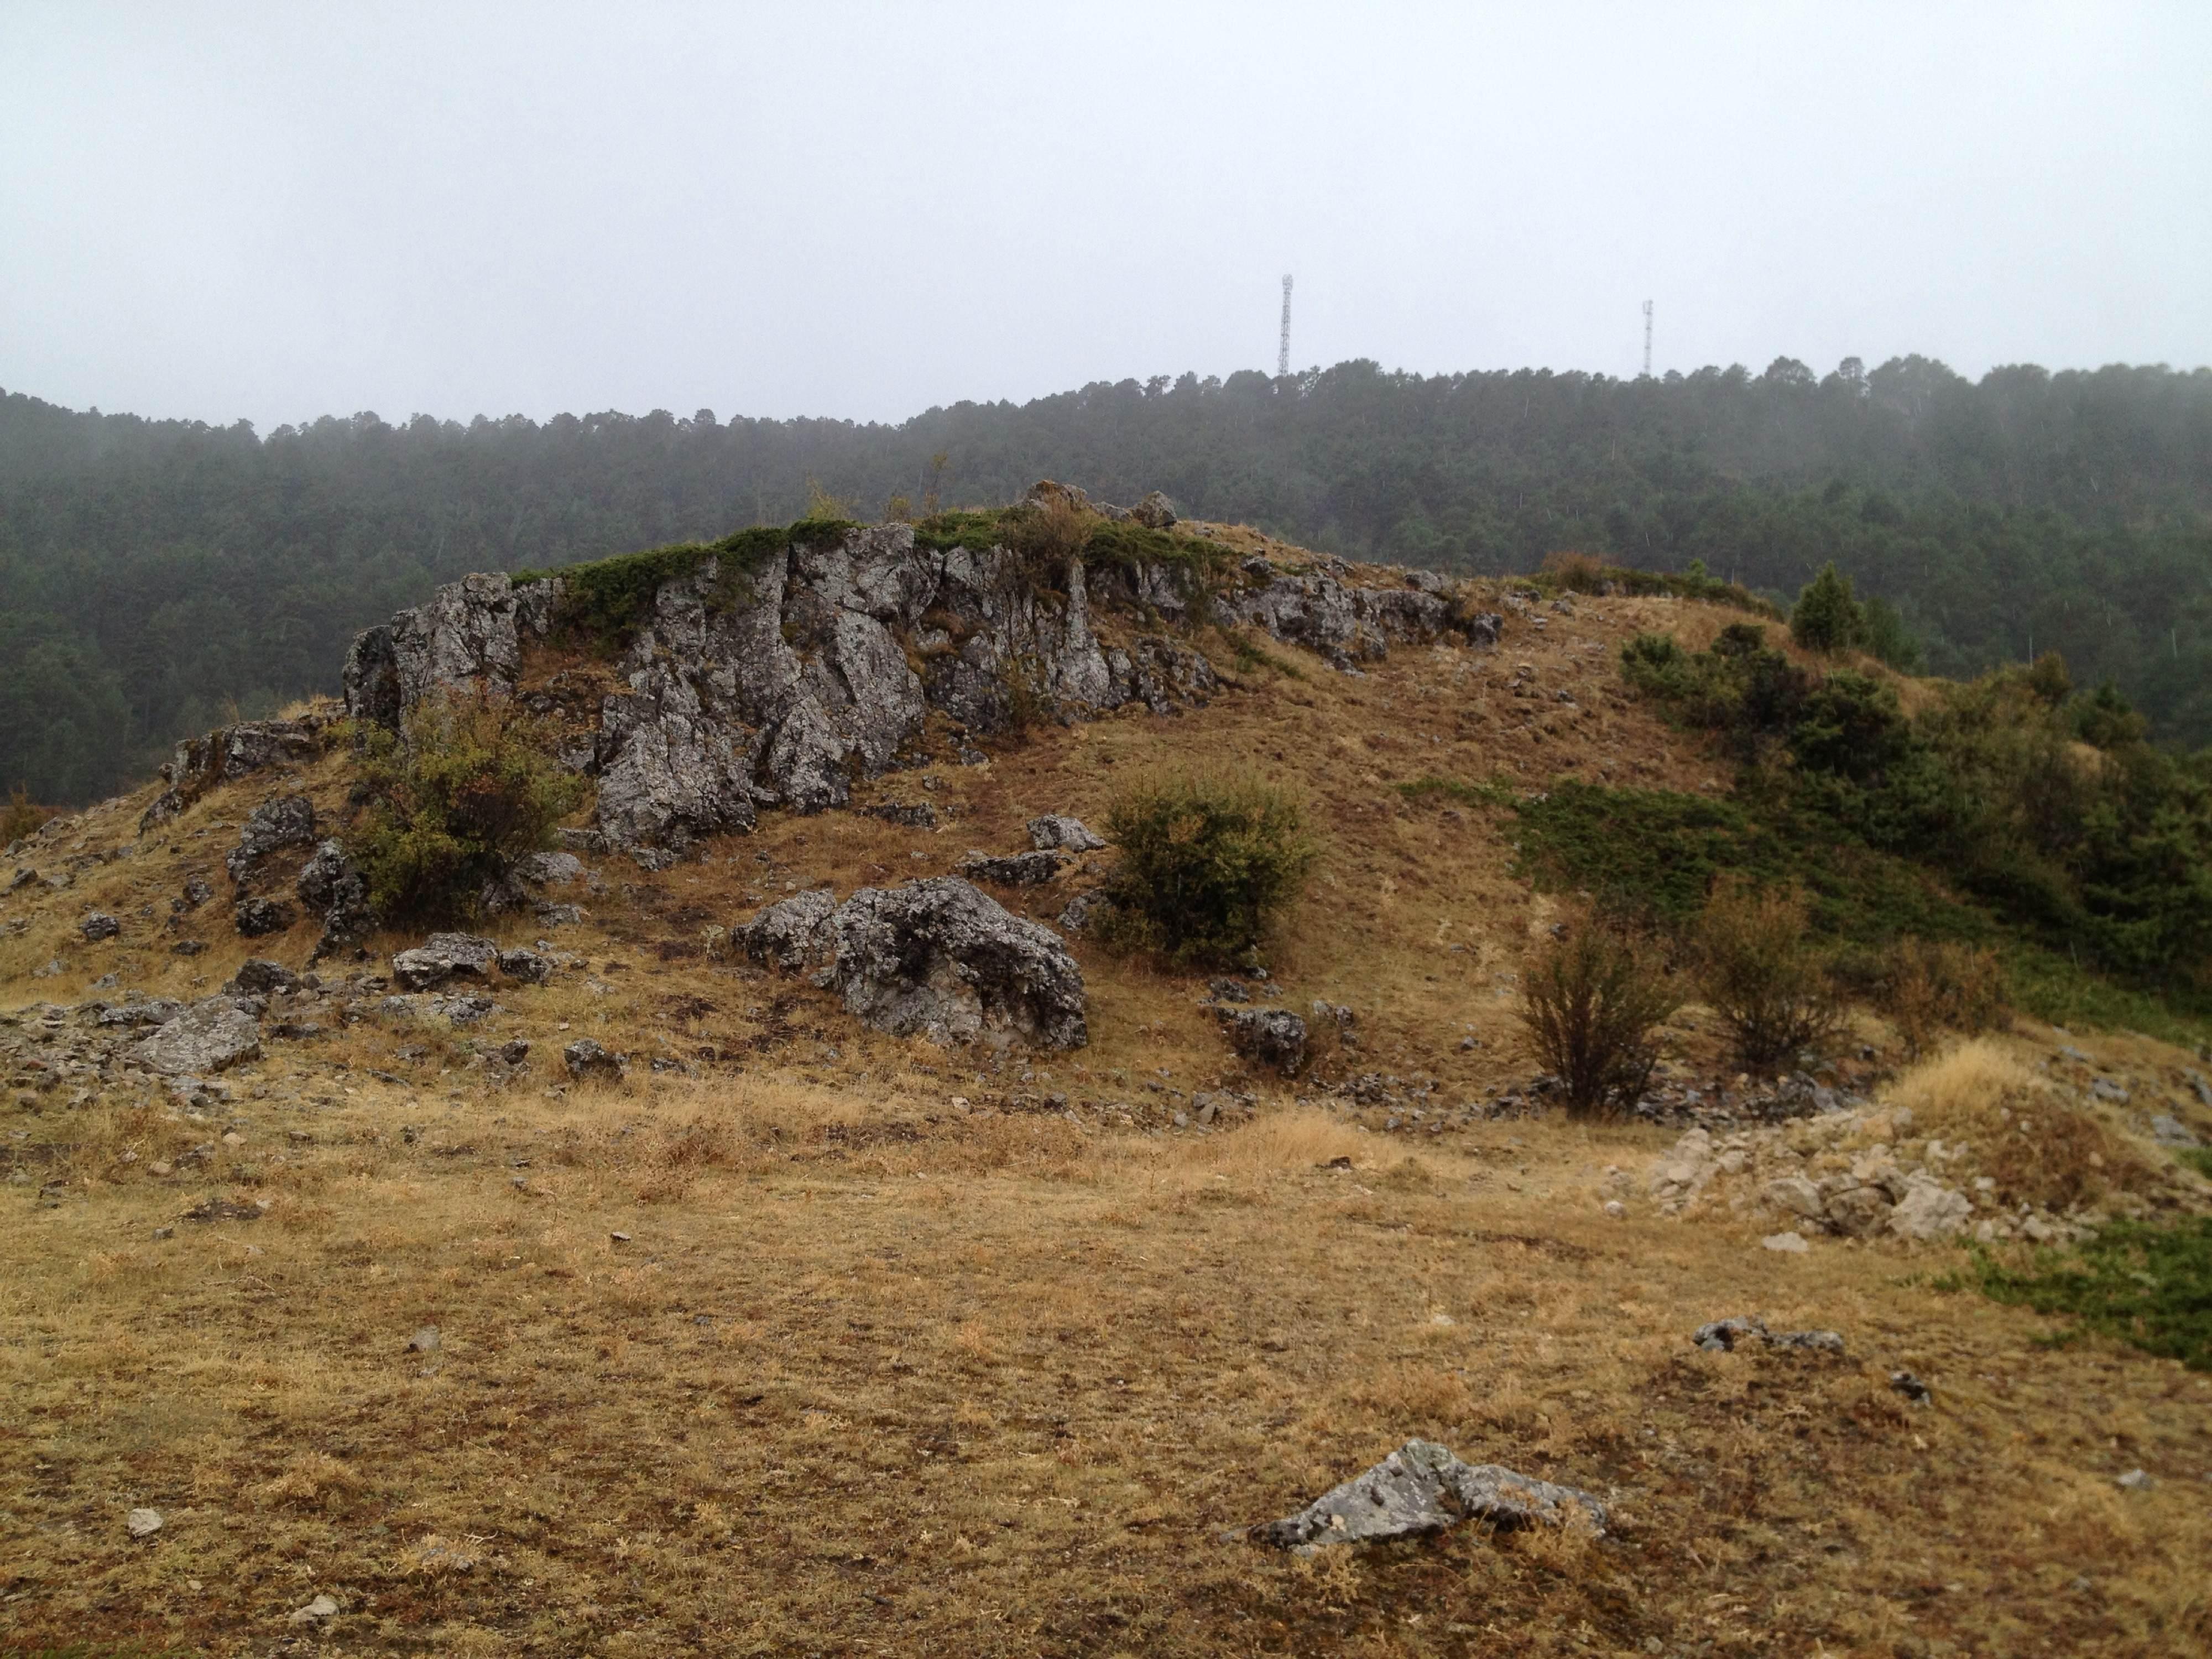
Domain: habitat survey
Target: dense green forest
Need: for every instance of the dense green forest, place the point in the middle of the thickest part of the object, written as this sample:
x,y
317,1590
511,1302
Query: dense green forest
x,y
156,575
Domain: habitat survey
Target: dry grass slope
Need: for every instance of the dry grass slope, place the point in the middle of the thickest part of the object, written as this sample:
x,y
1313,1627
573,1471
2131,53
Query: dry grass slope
x,y
868,1372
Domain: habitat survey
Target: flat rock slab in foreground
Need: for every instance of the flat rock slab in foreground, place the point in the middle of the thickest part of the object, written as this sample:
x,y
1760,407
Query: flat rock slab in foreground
x,y
1423,1488
208,1036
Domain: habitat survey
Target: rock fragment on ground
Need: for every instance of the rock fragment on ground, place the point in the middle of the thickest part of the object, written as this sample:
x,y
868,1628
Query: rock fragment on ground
x,y
143,1523
1725,1334
1422,1487
588,1058
1059,832
1016,869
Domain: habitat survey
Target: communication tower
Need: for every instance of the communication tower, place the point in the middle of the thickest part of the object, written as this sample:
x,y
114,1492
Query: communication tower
x,y
1282,348
1647,339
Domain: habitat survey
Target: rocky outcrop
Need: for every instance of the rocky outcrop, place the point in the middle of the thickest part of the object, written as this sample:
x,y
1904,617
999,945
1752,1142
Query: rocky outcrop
x,y
288,821
1423,1488
332,886
1015,870
444,958
1321,611
230,753
934,958
784,682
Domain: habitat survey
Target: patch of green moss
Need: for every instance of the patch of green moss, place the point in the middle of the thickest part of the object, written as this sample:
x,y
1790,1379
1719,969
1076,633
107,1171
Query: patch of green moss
x,y
2148,1286
608,599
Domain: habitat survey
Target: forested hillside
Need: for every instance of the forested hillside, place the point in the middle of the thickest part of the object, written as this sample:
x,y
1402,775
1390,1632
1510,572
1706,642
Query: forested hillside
x,y
155,574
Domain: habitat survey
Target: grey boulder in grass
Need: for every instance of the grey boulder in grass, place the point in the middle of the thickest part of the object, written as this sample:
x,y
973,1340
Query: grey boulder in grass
x,y
1422,1487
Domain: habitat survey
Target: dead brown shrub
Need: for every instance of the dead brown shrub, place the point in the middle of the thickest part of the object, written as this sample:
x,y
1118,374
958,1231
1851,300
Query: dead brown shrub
x,y
1929,987
1578,572
2039,1148
1759,973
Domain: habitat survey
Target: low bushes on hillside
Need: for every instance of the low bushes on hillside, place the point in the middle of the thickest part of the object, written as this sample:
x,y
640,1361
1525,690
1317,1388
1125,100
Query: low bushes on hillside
x,y
1208,866
470,787
1760,973
2043,802
1930,987
1590,1002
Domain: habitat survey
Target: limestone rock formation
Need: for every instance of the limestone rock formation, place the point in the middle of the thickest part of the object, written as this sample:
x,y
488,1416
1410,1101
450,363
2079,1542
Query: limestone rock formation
x,y
230,753
935,959
288,821
1059,832
332,886
780,681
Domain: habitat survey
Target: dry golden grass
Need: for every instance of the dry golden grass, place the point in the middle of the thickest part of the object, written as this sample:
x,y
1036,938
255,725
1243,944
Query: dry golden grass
x,y
2041,1148
873,1373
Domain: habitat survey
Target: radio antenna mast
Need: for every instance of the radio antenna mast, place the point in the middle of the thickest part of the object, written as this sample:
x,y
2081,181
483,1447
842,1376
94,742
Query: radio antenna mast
x,y
1283,349
1647,339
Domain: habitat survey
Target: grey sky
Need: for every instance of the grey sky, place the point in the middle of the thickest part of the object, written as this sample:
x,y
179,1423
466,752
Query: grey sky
x,y
282,211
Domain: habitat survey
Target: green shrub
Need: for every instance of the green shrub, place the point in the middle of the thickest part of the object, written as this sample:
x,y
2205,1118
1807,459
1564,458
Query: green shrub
x,y
1826,617
1762,975
1207,867
1589,1003
470,788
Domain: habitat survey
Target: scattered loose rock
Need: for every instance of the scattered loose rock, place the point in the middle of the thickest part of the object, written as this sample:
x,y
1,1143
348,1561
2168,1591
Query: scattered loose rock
x,y
99,925
586,1058
1273,1037
1423,1488
1912,1387
1725,1334
319,1611
143,1523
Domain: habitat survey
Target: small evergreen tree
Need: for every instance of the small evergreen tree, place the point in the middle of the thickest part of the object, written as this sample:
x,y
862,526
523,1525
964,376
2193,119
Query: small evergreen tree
x,y
1827,618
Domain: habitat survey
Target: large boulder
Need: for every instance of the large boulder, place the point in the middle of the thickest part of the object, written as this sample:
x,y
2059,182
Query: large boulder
x,y
935,959
444,958
1154,512
288,821
208,1036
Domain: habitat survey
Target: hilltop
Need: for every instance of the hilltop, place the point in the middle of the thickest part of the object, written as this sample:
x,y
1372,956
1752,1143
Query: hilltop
x,y
761,1326
157,578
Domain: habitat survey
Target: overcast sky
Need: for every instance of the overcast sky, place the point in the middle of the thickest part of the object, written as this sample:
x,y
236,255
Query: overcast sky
x,y
286,210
